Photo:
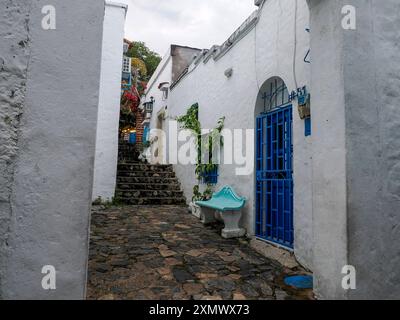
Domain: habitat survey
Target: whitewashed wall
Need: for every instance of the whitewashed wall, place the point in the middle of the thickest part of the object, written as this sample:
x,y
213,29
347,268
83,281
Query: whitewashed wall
x,y
49,146
109,102
266,51
162,74
356,151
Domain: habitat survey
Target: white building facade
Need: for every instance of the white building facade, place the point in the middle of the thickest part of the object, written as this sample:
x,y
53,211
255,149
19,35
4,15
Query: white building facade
x,y
300,47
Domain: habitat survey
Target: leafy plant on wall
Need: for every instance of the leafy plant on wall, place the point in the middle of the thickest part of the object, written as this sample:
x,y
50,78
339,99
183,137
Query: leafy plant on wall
x,y
190,121
199,196
214,139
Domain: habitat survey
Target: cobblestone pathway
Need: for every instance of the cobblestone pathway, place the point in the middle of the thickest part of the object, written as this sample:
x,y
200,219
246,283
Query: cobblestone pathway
x,y
148,253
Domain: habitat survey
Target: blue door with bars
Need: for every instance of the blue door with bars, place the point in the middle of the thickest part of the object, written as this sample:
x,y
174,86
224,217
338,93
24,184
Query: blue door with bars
x,y
274,177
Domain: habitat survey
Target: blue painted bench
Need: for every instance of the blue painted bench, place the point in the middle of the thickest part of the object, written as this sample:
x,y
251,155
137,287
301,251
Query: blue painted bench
x,y
229,205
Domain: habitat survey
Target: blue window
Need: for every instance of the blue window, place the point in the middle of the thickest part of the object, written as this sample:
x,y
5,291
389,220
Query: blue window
x,y
307,127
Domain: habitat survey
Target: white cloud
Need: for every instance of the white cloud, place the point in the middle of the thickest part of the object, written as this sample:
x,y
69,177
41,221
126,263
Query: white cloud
x,y
195,23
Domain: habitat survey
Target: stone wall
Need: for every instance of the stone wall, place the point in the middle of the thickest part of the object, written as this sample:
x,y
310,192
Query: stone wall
x,y
139,126
48,119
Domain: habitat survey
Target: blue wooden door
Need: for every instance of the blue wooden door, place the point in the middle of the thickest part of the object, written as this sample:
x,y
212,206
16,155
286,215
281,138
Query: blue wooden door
x,y
274,177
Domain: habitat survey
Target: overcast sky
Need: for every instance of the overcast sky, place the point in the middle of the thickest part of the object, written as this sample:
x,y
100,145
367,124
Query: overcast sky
x,y
195,23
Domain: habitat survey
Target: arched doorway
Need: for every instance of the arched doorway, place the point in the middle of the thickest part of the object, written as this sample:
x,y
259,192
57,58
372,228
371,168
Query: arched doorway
x,y
274,164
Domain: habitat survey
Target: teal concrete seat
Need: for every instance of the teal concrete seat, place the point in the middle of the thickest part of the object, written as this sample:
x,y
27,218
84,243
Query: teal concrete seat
x,y
224,200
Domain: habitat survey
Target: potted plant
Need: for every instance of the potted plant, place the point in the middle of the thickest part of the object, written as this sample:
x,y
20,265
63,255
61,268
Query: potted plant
x,y
198,196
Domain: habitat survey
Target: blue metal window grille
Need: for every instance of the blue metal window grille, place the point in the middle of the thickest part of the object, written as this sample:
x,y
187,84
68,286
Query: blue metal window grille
x,y
274,177
307,127
276,95
210,176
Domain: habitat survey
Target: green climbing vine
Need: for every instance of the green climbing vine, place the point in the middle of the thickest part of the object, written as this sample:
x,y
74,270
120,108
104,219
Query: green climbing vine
x,y
190,121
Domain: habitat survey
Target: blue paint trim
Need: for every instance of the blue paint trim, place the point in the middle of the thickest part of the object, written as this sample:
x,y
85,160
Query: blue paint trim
x,y
146,134
307,127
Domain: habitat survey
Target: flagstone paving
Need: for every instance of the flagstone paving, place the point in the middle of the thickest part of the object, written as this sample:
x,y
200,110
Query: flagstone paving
x,y
164,253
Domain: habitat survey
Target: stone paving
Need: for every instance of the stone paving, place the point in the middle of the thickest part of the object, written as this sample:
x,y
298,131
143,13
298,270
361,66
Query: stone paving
x,y
165,253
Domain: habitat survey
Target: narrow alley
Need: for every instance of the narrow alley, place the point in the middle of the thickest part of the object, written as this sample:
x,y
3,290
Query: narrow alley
x,y
163,252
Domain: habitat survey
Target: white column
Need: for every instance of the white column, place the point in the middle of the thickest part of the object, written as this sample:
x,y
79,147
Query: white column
x,y
109,102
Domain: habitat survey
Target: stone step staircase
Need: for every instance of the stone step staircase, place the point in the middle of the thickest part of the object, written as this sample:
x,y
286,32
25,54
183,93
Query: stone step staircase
x,y
145,184
127,152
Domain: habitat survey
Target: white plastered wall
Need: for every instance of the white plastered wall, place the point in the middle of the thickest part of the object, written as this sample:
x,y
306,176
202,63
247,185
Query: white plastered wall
x,y
109,102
